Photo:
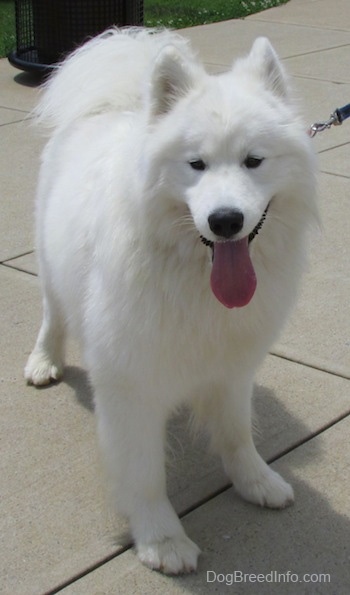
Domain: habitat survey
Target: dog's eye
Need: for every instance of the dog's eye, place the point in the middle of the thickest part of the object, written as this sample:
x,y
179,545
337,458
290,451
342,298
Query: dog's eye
x,y
198,164
252,162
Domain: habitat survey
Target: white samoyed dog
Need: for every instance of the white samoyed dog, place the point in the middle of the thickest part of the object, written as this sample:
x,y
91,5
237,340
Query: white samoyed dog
x,y
172,223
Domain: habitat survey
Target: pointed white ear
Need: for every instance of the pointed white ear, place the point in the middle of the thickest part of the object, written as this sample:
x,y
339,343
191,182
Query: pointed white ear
x,y
172,78
264,61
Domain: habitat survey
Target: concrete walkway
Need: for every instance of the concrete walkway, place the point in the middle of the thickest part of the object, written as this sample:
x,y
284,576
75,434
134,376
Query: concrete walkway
x,y
56,533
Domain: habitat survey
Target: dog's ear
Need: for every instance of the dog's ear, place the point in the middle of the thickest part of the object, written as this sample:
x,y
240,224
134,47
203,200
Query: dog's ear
x,y
171,79
264,62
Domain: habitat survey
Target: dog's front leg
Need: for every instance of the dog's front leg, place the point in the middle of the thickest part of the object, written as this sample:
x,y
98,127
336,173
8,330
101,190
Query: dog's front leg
x,y
227,415
132,434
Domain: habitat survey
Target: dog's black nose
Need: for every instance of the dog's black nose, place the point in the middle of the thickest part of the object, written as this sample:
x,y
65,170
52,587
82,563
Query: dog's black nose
x,y
226,222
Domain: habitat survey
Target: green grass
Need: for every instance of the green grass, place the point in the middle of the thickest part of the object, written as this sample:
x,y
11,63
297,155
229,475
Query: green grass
x,y
187,13
7,27
168,13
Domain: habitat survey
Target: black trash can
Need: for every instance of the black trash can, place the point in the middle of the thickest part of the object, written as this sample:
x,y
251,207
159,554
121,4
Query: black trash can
x,y
46,30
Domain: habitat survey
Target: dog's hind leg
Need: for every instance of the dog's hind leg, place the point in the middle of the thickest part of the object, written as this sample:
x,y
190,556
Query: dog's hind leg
x,y
227,415
132,433
45,363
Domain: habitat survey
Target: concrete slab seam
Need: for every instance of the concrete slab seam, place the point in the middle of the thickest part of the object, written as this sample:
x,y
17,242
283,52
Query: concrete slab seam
x,y
16,256
295,360
20,269
256,19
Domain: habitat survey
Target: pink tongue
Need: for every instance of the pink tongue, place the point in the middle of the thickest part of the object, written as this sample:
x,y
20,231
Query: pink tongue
x,y
233,279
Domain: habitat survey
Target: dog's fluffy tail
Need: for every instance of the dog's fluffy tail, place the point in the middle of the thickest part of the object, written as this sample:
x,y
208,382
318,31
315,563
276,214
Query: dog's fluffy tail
x,y
109,72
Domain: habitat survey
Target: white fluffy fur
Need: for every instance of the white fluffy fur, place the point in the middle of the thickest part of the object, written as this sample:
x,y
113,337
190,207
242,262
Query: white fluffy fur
x,y
119,216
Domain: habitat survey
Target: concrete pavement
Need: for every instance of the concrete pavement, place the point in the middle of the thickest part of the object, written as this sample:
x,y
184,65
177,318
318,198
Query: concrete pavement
x,y
56,531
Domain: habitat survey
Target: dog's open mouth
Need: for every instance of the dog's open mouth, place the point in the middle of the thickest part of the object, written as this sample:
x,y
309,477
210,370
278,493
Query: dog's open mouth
x,y
233,280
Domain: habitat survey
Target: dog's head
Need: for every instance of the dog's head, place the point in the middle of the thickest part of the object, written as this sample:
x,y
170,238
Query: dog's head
x,y
231,151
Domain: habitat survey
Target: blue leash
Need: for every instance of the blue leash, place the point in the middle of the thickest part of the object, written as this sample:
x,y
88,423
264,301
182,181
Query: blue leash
x,y
335,119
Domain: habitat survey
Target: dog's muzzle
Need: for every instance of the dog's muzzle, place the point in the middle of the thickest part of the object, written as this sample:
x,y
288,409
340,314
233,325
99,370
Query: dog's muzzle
x,y
251,236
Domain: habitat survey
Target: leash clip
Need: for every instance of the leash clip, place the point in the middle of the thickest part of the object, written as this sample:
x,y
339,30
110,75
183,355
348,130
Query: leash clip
x,y
321,126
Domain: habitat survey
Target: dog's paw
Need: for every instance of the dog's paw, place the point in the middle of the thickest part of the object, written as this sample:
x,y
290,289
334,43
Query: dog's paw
x,y
40,370
267,488
176,555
